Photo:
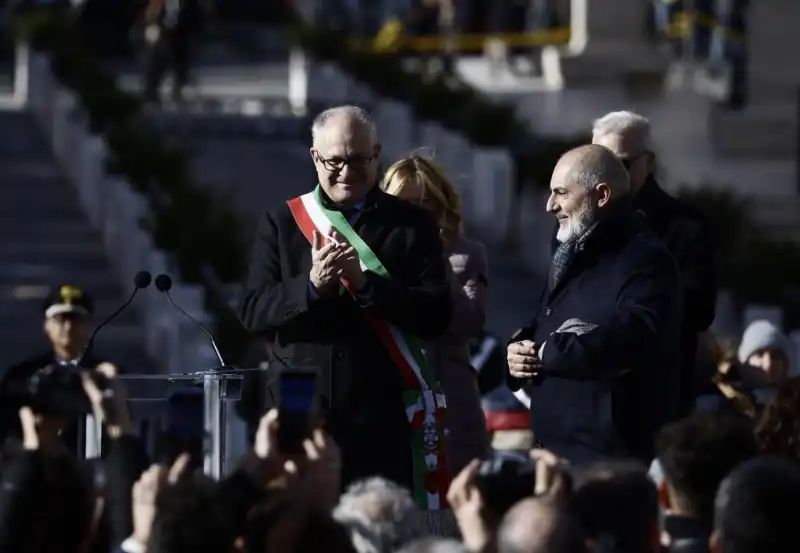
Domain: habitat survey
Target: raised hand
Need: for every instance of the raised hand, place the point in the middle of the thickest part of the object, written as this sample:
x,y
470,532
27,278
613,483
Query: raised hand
x,y
466,500
325,273
145,491
324,470
553,482
348,262
109,405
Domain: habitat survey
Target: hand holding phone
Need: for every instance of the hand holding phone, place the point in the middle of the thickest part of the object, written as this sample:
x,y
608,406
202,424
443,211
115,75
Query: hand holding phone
x,y
297,394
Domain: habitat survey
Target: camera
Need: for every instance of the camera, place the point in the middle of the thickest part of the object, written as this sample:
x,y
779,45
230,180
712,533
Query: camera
x,y
57,390
505,479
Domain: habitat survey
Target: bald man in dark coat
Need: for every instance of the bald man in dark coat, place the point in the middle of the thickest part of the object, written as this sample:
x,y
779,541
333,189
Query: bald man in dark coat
x,y
598,358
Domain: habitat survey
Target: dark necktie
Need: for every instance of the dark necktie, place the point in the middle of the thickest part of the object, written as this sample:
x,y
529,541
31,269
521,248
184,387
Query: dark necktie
x,y
350,213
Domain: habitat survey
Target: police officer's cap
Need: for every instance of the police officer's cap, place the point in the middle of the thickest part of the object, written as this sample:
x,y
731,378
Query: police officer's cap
x,y
68,299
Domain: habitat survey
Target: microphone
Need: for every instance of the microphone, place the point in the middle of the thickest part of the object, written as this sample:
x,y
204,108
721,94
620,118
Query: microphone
x,y
164,284
140,281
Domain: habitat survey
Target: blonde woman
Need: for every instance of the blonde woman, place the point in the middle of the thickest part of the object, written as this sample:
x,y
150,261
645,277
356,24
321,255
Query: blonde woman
x,y
420,181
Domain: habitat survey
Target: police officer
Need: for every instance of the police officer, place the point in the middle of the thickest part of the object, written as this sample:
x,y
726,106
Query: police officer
x,y
67,312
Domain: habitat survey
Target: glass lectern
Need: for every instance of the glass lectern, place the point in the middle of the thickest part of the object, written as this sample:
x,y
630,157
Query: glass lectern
x,y
148,395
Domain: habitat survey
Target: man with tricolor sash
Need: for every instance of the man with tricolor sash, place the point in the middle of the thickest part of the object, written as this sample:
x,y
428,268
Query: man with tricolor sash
x,y
349,280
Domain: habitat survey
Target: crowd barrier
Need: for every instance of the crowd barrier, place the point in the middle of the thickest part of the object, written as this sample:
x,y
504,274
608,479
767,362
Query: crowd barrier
x,y
119,214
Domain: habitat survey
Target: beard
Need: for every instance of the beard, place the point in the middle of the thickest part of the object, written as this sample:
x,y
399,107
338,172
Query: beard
x,y
576,225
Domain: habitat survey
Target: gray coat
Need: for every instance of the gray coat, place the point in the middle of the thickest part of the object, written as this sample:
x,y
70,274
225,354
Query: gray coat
x,y
450,353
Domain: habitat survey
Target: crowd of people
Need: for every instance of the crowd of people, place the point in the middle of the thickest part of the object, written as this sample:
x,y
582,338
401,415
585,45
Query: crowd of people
x,y
611,421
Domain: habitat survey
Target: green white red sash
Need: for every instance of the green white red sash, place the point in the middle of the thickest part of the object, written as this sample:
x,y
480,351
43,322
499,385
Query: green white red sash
x,y
424,401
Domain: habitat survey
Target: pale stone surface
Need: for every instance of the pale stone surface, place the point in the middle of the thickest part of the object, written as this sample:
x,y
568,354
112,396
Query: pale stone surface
x,y
491,192
608,40
768,126
395,129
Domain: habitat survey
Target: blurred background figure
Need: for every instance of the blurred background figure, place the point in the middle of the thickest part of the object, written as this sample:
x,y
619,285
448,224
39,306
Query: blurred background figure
x,y
67,312
507,420
696,454
421,182
755,508
747,377
170,29
778,430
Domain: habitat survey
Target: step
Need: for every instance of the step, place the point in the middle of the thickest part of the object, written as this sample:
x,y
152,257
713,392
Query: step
x,y
27,189
73,266
607,61
757,132
30,311
91,254
129,359
15,167
234,126
42,206
96,282
44,174
779,216
67,230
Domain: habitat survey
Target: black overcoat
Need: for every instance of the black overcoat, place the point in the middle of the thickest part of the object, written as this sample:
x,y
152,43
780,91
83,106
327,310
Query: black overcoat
x,y
359,386
607,392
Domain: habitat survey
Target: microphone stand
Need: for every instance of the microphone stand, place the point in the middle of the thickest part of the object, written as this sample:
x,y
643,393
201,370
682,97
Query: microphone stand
x,y
215,394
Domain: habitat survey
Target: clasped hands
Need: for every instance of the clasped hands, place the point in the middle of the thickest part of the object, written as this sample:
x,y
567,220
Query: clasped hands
x,y
524,359
333,261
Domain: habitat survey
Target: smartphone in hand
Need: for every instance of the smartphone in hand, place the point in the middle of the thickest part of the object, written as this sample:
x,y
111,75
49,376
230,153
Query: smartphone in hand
x,y
297,395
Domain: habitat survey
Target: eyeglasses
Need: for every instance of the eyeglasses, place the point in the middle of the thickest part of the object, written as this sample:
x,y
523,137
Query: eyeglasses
x,y
337,163
629,161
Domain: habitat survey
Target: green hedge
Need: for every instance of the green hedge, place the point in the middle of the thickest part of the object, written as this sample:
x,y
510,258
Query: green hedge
x,y
187,221
758,268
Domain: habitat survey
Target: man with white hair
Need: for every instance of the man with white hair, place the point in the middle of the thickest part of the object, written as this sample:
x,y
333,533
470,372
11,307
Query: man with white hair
x,y
598,358
685,232
380,516
348,281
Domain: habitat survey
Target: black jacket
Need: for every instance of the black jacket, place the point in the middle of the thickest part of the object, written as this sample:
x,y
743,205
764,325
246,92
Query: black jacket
x,y
608,391
689,238
359,386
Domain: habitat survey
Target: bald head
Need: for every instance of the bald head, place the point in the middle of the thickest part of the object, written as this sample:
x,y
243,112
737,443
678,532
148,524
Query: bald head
x,y
586,180
533,526
592,165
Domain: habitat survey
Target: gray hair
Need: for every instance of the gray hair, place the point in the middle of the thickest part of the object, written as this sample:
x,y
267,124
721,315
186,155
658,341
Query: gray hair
x,y
435,545
624,122
380,515
358,113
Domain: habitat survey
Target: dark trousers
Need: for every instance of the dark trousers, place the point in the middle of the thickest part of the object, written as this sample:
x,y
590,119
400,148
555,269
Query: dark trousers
x,y
172,51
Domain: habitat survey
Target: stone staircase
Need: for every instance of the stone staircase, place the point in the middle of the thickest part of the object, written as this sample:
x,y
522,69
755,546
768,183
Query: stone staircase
x,y
768,127
45,240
